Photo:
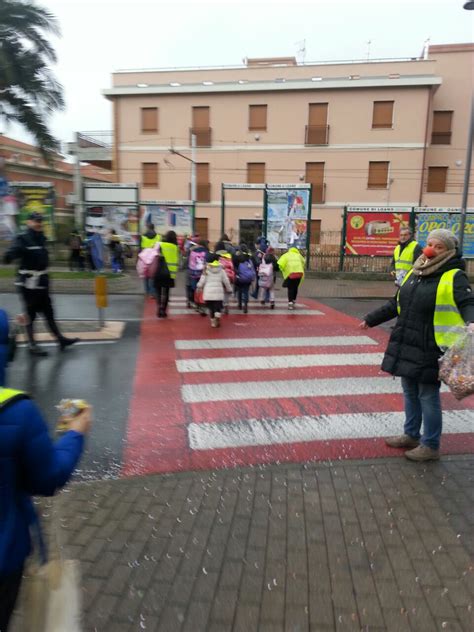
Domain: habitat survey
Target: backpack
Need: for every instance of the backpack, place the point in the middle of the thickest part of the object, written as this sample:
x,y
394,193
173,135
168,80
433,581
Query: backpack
x,y
197,262
245,273
228,266
147,262
127,251
265,275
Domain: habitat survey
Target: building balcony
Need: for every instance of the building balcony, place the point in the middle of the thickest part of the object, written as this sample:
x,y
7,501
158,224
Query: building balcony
x,y
441,138
317,135
203,192
94,148
203,136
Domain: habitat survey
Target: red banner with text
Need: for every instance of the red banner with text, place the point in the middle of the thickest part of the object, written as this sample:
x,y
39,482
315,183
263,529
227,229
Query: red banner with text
x,y
374,232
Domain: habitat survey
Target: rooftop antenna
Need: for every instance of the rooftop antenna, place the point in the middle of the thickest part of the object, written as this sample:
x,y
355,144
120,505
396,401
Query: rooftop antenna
x,y
369,42
301,51
426,48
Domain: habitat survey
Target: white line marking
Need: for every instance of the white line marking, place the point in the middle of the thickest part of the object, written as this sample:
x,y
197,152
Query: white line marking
x,y
302,429
255,343
250,363
233,391
258,312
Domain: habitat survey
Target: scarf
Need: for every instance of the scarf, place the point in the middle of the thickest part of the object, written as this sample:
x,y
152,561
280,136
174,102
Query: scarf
x,y
424,266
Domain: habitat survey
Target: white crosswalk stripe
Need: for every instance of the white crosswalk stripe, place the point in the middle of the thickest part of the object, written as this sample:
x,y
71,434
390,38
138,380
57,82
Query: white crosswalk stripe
x,y
254,432
258,311
273,343
250,363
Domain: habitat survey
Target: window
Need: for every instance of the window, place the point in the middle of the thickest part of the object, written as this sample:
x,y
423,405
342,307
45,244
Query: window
x,y
150,174
382,115
203,186
257,117
441,130
149,120
317,128
315,176
201,125
378,175
437,177
255,172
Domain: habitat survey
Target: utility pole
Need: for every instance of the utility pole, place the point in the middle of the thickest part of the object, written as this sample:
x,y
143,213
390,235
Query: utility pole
x,y
193,170
77,187
467,175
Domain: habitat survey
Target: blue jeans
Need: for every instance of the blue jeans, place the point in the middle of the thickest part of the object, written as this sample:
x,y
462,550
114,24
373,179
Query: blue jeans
x,y
243,294
148,286
422,403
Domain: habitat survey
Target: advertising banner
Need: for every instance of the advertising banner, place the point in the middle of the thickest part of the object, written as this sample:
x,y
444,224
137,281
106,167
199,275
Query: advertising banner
x,y
8,213
37,197
122,219
287,217
374,231
165,218
431,219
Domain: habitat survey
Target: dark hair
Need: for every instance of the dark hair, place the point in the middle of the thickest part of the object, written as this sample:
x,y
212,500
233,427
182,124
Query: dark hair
x,y
204,243
151,226
224,238
212,257
171,238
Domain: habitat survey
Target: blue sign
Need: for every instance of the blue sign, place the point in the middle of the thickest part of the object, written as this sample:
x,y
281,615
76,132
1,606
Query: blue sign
x,y
3,186
426,222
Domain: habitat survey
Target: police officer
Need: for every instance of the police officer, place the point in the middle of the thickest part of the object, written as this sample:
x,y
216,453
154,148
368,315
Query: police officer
x,y
405,254
32,281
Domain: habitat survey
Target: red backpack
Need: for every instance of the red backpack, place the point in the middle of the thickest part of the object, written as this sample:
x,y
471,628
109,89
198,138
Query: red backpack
x,y
228,266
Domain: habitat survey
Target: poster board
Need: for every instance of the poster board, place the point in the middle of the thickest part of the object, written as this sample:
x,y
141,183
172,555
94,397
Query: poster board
x,y
287,216
166,217
123,219
35,197
428,219
374,231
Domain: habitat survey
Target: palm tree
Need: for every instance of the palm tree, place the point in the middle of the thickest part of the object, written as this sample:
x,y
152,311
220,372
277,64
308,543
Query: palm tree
x,y
29,92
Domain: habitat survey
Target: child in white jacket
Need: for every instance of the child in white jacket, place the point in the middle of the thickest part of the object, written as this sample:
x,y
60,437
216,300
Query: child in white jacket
x,y
214,282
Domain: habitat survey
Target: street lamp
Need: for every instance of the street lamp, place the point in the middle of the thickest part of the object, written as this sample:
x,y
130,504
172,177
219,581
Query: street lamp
x,y
192,160
467,172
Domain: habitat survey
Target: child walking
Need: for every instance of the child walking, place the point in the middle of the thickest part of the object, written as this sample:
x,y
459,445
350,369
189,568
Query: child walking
x,y
214,282
267,278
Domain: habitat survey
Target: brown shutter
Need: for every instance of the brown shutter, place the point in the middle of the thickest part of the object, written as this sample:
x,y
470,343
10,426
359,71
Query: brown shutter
x,y
149,119
378,175
150,174
203,186
437,177
201,117
441,132
257,117
318,114
383,114
315,176
255,172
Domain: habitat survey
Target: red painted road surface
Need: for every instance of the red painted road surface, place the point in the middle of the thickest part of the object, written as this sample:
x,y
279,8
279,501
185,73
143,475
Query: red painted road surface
x,y
169,406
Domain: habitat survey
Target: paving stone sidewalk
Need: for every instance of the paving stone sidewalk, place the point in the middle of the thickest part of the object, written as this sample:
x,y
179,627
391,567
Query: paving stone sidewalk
x,y
364,546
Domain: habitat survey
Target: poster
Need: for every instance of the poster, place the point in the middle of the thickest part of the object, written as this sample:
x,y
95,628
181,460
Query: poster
x,y
8,213
374,231
165,218
35,197
122,219
431,219
287,217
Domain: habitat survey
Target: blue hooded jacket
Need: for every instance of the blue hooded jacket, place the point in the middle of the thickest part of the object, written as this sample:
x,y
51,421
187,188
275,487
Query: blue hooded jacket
x,y
30,464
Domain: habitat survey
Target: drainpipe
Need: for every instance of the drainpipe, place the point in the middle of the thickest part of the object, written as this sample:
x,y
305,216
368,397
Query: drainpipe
x,y
422,179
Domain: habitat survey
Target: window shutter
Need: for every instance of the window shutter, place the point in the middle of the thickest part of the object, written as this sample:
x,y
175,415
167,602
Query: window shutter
x,y
257,117
202,173
201,117
149,119
441,131
318,114
315,173
255,172
150,174
378,175
382,116
437,177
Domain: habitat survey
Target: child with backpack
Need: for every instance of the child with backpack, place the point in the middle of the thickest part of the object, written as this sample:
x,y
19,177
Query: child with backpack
x,y
147,262
245,275
225,259
214,283
266,278
196,263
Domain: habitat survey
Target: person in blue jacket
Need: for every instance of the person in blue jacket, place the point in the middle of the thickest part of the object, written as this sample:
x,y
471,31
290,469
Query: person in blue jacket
x,y
30,464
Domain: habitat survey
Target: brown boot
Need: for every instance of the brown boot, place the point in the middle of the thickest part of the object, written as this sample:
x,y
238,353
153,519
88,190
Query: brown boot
x,y
422,453
402,441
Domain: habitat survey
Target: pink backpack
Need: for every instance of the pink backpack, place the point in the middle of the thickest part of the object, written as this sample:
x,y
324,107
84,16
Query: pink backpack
x,y
228,266
265,275
197,262
147,262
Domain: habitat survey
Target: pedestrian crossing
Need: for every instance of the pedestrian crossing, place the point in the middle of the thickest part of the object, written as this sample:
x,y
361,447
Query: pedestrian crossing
x,y
256,311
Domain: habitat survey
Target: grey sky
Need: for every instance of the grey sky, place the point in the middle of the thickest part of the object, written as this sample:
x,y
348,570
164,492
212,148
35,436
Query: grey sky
x,y
100,36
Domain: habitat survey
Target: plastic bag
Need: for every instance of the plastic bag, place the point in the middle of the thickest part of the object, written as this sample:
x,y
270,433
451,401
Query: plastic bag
x,y
457,366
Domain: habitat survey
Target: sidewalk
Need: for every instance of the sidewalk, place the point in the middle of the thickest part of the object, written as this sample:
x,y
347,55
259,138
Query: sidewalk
x,y
369,545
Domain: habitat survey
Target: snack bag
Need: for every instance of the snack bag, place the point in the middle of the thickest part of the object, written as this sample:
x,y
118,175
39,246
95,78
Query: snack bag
x,y
457,366
69,408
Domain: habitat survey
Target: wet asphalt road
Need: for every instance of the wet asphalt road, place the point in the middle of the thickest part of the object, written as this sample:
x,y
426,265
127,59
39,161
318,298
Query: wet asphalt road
x,y
101,373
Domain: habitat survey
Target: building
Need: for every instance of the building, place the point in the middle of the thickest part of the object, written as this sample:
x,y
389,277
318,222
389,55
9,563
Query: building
x,y
23,163
378,132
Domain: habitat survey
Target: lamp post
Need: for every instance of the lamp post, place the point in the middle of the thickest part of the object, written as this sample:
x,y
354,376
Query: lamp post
x,y
192,160
469,6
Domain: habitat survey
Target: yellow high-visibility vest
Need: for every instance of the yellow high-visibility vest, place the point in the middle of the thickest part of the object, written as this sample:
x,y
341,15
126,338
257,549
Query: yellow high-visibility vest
x,y
171,254
8,395
149,242
448,323
404,261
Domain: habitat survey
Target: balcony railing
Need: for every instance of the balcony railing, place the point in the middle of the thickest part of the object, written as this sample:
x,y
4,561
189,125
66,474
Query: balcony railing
x,y
96,140
317,135
318,194
203,192
441,138
203,136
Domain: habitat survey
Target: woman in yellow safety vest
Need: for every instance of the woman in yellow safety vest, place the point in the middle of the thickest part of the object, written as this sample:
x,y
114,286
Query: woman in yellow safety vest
x,y
291,265
166,272
434,303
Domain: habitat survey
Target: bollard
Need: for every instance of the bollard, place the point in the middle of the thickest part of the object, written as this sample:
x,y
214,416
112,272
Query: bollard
x,y
101,296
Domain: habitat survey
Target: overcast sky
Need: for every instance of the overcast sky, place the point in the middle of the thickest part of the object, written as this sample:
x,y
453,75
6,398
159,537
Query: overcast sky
x,y
100,36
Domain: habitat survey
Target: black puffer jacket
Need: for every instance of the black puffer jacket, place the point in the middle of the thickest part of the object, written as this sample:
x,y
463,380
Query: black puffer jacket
x,y
412,351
